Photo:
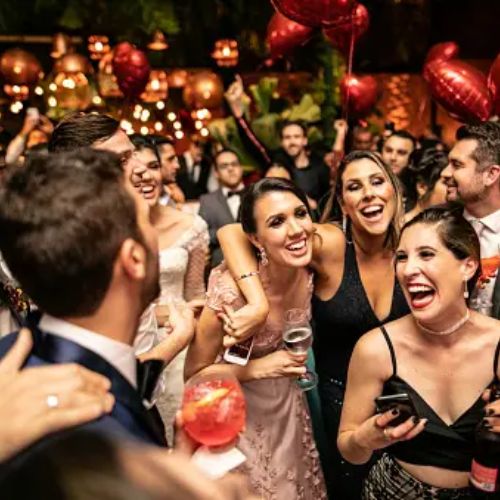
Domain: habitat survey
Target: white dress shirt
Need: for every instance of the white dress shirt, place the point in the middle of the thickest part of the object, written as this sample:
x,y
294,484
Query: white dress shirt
x,y
488,232
118,354
234,202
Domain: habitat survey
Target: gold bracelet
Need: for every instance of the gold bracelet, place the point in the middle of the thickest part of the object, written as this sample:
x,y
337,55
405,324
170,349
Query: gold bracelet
x,y
247,275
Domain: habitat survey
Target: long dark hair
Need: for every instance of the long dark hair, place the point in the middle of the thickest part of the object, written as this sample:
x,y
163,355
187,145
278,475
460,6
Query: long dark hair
x,y
333,211
257,191
455,232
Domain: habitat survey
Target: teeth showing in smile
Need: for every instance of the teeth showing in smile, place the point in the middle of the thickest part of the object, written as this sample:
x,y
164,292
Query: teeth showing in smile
x,y
297,246
419,288
372,210
147,189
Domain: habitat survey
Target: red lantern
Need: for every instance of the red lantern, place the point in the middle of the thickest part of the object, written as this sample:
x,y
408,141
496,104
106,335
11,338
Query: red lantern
x,y
460,88
131,68
354,25
314,13
203,90
494,84
19,67
283,35
359,94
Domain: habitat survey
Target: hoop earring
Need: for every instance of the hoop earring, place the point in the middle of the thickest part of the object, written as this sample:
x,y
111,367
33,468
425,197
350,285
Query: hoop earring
x,y
466,290
344,224
263,257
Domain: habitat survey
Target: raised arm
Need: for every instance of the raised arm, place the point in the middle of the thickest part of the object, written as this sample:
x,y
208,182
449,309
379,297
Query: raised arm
x,y
242,263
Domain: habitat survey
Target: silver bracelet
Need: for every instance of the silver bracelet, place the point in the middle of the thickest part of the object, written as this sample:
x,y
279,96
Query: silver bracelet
x,y
247,275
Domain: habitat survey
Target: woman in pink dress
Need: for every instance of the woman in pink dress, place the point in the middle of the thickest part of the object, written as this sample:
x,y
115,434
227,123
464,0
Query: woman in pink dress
x,y
281,457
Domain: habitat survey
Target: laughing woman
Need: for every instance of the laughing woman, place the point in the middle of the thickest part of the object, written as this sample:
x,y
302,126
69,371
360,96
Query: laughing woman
x,y
183,242
282,460
355,287
442,354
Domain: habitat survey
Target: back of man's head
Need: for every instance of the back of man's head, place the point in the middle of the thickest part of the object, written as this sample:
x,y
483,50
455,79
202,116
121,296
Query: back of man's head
x,y
63,219
80,130
487,135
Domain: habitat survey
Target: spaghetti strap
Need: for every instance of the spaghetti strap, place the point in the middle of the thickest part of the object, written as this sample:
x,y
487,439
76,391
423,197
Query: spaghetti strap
x,y
495,361
391,350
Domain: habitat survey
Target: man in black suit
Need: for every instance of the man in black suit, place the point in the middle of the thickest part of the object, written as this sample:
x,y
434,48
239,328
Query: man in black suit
x,y
78,238
473,178
194,170
222,206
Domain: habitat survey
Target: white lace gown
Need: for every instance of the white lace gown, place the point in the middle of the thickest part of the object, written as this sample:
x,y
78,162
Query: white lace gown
x,y
182,267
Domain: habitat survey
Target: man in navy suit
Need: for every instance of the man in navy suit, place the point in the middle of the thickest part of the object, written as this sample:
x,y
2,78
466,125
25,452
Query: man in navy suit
x,y
78,239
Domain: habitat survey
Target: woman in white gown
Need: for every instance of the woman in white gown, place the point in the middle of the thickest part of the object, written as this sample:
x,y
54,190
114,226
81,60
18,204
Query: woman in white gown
x,y
183,244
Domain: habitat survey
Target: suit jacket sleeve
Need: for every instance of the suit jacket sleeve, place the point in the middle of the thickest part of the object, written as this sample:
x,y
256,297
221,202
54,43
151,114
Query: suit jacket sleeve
x,y
205,214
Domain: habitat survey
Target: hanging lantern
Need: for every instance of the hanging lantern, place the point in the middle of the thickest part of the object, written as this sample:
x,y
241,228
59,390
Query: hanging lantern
x,y
72,89
159,42
61,45
177,78
19,67
98,46
157,87
17,92
203,90
106,79
226,53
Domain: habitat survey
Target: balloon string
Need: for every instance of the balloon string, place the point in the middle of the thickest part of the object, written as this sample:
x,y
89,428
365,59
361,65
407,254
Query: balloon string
x,y
349,67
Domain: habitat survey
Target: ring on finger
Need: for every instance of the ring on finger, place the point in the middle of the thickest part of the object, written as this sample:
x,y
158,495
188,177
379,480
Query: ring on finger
x,y
52,401
386,434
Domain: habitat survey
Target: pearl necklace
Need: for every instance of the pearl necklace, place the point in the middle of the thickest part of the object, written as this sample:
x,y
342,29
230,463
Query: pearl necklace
x,y
448,331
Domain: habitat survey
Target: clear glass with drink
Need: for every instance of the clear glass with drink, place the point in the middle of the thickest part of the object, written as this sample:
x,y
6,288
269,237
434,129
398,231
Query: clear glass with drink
x,y
297,337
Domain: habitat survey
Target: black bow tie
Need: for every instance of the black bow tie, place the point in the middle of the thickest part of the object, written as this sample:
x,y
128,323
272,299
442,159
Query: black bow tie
x,y
234,193
148,373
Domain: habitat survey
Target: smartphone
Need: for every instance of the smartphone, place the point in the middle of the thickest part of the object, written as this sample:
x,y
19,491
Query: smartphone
x,y
402,402
33,112
239,353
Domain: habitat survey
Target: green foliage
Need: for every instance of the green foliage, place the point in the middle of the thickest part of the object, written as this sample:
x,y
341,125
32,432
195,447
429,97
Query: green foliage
x,y
263,93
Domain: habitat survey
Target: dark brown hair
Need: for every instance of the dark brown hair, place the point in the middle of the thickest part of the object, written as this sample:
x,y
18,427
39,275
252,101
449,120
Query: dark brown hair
x,y
487,136
63,219
79,130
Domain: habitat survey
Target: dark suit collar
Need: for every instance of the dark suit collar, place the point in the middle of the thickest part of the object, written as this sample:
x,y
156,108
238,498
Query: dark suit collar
x,y
57,350
223,203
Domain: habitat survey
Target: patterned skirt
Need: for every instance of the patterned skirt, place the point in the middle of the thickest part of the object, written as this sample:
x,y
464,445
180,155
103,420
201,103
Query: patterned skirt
x,y
389,481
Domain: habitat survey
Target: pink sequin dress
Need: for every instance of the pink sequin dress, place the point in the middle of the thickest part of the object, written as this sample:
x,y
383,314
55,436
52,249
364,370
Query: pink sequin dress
x,y
282,459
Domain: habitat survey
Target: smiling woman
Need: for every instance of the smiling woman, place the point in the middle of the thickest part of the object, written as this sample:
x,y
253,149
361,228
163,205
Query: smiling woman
x,y
428,455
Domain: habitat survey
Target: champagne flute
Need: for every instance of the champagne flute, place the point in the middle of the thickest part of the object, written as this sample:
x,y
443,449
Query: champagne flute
x,y
297,337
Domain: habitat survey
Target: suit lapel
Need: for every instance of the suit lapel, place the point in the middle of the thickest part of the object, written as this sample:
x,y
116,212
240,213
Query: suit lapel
x,y
57,350
496,298
224,206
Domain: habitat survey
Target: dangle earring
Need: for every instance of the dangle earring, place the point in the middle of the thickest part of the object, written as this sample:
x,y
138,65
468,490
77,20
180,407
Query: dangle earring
x,y
344,224
466,290
263,257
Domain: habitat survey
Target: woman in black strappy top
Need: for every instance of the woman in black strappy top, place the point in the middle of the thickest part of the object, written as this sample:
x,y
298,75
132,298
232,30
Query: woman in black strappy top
x,y
443,355
355,287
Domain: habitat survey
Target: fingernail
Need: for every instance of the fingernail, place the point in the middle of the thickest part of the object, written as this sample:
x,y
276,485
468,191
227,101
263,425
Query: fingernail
x,y
489,411
395,411
415,419
486,425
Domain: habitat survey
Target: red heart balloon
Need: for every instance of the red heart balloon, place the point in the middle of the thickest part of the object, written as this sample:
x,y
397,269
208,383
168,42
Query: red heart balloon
x,y
283,35
460,88
314,13
359,94
444,51
131,68
494,84
356,24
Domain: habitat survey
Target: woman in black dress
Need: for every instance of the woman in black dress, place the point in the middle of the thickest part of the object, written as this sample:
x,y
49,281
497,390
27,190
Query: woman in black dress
x,y
355,287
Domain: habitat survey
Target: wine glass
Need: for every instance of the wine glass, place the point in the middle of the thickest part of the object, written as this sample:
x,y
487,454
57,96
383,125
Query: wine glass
x,y
213,409
297,337
481,298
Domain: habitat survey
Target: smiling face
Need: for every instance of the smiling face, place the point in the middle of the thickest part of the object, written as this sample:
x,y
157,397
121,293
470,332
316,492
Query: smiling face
x,y
169,163
368,197
293,140
463,179
284,229
150,185
431,276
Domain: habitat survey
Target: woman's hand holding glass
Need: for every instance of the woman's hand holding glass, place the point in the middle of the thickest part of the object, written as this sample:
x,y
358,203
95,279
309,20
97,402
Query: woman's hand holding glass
x,y
279,364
